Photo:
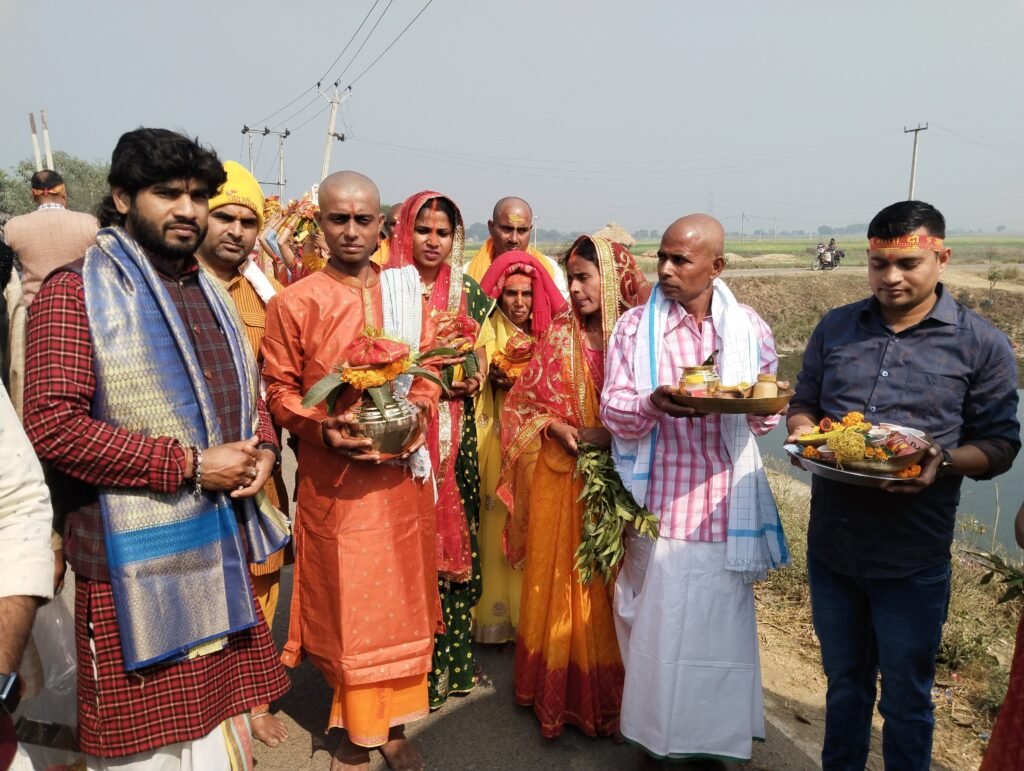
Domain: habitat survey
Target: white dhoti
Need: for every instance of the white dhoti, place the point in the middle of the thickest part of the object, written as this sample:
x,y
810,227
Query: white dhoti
x,y
688,636
220,750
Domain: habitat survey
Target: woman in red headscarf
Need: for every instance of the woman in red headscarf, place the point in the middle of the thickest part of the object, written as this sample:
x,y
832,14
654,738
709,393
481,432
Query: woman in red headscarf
x,y
567,663
527,301
431,236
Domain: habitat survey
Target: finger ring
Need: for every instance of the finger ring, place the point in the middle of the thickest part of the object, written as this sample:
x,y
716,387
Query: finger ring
x,y
253,473
241,487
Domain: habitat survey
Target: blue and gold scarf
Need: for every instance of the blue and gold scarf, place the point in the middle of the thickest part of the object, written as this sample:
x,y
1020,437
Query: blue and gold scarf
x,y
177,562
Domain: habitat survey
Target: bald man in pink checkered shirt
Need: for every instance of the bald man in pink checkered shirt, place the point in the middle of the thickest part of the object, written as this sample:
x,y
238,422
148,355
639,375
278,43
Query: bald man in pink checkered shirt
x,y
686,624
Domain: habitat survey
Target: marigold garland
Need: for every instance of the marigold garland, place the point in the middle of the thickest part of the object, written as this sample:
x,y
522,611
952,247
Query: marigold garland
x,y
812,452
513,369
913,471
374,377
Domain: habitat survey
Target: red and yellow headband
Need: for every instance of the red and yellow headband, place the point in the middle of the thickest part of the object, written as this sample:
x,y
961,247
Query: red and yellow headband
x,y
55,190
910,243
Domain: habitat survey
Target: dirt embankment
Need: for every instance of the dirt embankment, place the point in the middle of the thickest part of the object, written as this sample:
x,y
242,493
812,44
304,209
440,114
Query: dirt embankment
x,y
792,304
973,661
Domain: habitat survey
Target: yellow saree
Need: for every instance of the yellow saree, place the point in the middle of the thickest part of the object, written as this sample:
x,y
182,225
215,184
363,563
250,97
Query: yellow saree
x,y
497,613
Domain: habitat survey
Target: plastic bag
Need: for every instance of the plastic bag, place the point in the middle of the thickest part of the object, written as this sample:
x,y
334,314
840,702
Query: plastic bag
x,y
54,636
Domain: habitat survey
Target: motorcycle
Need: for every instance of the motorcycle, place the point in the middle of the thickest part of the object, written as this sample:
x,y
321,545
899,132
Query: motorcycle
x,y
827,259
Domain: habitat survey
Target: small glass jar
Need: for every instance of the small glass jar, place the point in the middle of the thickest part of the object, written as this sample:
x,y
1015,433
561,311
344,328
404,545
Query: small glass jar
x,y
707,372
766,387
694,385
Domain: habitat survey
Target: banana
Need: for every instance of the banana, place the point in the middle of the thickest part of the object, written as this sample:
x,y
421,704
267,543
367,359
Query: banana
x,y
816,437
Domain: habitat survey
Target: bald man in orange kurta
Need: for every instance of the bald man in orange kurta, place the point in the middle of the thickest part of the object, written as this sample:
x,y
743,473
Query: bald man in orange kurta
x,y
364,603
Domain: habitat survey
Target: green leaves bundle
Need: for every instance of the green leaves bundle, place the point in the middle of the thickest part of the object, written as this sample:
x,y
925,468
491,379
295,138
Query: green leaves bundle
x,y
607,509
1011,574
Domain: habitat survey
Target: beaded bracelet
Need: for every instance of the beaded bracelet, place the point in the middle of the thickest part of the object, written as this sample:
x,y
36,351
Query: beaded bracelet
x,y
197,472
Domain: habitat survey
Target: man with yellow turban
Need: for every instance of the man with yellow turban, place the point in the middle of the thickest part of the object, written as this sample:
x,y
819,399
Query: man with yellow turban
x,y
236,219
510,226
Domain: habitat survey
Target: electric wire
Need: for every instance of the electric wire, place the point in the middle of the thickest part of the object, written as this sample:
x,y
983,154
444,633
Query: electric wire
x,y
391,44
365,40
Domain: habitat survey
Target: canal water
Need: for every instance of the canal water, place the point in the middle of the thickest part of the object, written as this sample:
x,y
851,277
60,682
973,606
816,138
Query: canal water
x,y
980,500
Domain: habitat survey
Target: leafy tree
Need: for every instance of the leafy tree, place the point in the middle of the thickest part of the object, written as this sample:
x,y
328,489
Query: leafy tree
x,y
1001,228
477,232
86,183
825,230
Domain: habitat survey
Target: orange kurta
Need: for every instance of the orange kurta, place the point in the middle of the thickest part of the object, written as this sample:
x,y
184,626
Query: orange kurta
x,y
253,313
364,602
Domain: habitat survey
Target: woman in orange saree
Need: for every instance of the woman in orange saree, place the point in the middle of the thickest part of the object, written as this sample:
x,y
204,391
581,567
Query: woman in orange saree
x,y
567,666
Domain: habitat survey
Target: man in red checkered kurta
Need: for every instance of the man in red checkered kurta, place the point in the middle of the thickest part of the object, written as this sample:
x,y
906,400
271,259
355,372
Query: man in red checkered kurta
x,y
179,713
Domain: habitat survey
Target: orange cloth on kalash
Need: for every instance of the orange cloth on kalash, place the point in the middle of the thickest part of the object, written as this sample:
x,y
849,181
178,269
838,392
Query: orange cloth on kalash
x,y
364,600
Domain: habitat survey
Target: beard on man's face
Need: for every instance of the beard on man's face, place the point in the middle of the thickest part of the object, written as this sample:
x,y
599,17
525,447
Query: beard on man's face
x,y
153,239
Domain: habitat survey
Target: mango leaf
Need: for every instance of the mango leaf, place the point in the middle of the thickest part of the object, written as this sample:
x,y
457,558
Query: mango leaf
x,y
381,396
471,365
437,352
332,399
320,390
426,374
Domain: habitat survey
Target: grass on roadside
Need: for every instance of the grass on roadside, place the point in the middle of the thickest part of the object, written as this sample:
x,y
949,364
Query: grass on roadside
x,y
977,639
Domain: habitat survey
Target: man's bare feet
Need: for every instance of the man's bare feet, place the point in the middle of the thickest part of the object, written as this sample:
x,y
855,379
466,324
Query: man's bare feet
x,y
400,753
267,728
350,757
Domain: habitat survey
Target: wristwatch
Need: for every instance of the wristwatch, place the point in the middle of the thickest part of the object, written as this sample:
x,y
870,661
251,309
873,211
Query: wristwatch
x,y
947,463
10,692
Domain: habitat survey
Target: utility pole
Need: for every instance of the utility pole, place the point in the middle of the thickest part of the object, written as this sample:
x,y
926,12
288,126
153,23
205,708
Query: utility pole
x,y
249,133
46,140
775,230
741,227
331,135
281,136
35,141
913,164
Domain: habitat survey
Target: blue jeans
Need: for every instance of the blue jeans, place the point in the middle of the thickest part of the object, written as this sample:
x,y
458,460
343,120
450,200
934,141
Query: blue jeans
x,y
871,625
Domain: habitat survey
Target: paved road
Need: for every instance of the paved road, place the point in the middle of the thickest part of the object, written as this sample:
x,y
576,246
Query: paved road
x,y
480,731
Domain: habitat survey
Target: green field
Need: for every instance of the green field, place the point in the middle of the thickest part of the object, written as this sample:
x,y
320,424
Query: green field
x,y
799,253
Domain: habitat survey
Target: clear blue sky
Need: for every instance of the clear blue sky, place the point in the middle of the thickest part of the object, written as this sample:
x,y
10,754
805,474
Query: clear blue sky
x,y
638,112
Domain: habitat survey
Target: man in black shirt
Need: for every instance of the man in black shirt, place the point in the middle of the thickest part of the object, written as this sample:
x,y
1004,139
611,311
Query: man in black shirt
x,y
878,560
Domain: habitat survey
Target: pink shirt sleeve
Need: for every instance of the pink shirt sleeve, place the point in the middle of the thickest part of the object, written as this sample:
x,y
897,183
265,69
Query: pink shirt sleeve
x,y
624,411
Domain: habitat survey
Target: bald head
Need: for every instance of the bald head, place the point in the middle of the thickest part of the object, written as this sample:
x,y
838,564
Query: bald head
x,y
698,229
347,183
350,218
690,258
391,220
514,205
510,226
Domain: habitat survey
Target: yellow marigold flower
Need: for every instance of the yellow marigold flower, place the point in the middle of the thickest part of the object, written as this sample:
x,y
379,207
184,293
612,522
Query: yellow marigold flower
x,y
811,452
913,471
513,370
364,378
374,377
853,419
